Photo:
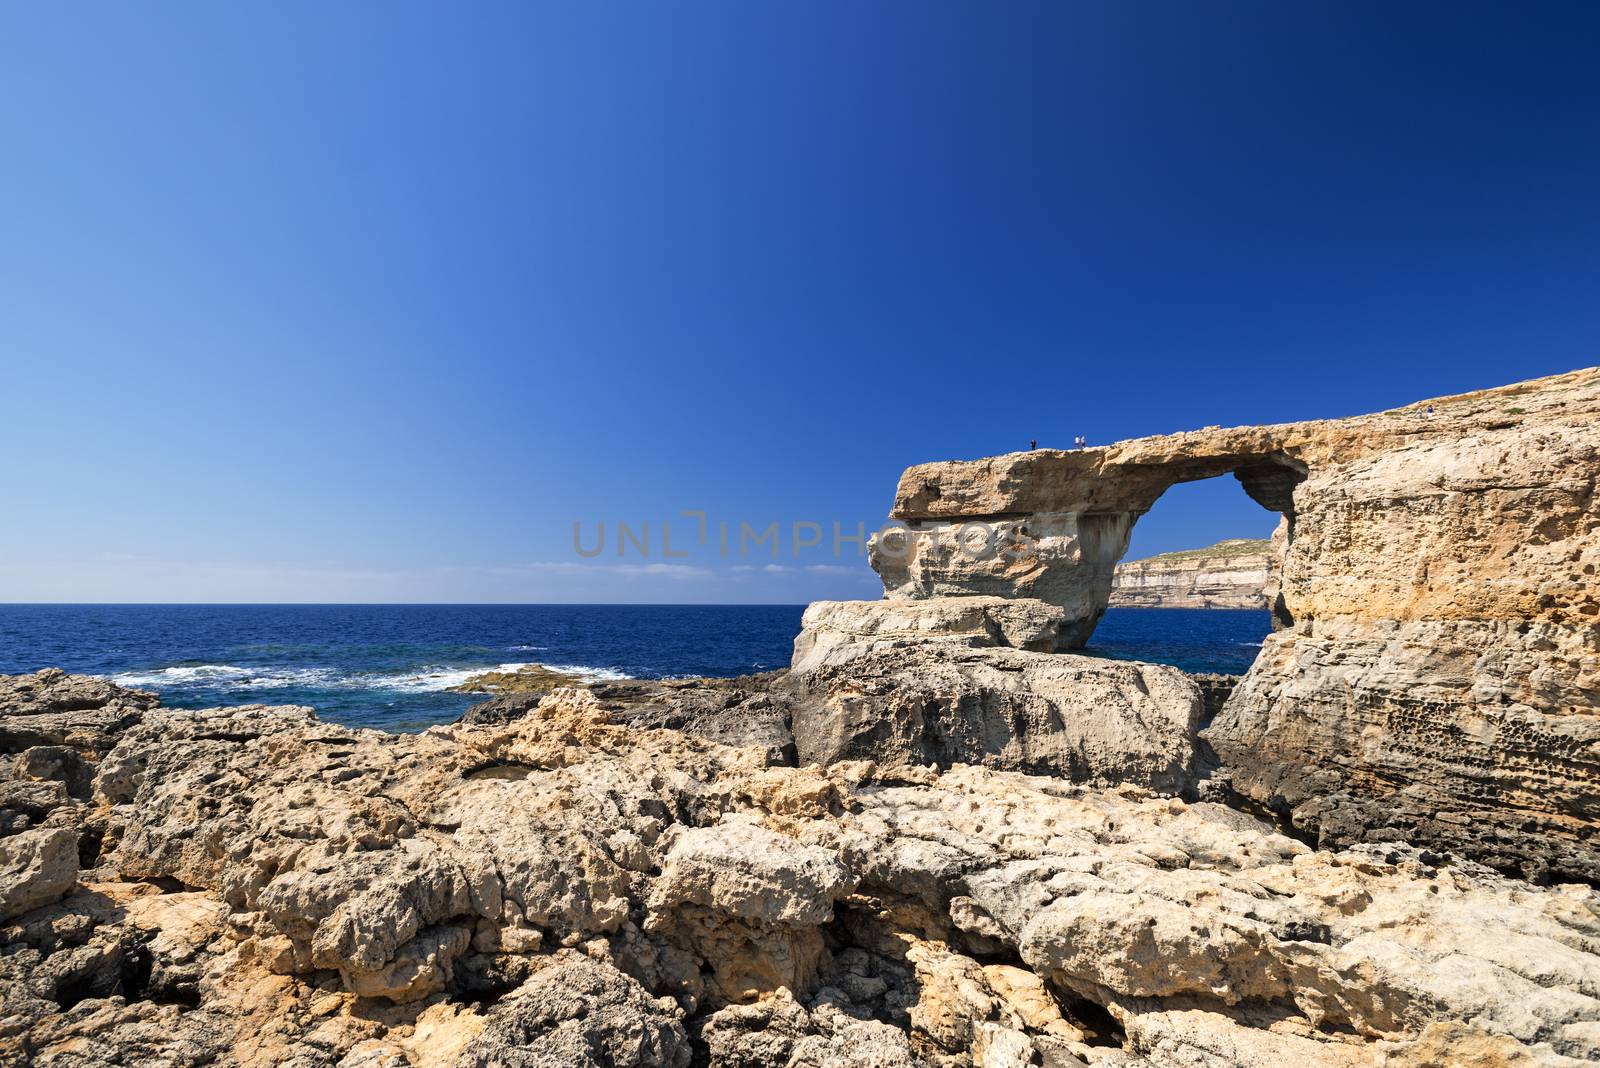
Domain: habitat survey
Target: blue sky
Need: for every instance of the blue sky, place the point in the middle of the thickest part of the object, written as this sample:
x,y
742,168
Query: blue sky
x,y
371,301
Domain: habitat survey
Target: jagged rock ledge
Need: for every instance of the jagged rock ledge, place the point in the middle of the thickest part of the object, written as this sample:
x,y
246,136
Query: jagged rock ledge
x,y
253,886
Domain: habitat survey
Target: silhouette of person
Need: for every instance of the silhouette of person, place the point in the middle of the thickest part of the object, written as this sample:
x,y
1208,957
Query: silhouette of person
x,y
1034,444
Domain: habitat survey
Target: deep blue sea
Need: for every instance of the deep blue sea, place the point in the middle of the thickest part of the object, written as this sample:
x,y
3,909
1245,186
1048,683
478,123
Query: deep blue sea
x,y
390,666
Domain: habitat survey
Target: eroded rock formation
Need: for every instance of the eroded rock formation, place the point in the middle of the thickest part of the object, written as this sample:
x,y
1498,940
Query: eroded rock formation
x,y
936,841
564,890
1438,677
1083,719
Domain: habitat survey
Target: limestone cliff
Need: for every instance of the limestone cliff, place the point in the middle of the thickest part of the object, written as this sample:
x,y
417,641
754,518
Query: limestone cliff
x,y
1438,680
1229,574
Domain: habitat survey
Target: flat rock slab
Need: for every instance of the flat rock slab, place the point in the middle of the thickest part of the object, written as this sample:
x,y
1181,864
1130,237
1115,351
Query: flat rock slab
x,y
835,632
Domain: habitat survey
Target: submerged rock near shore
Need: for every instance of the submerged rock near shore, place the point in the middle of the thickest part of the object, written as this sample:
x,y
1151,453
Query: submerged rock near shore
x,y
937,840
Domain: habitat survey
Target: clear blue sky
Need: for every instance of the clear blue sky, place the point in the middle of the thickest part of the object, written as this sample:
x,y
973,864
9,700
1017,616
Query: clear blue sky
x,y
368,301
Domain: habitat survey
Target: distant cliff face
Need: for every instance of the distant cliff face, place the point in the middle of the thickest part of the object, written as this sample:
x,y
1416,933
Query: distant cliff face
x,y
1229,574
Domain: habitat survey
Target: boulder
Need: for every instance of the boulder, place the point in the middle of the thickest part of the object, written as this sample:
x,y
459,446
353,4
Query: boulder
x,y
36,868
577,1012
833,632
1082,718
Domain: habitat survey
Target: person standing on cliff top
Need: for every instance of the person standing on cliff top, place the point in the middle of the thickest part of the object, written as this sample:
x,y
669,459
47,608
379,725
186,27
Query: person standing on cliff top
x,y
1033,444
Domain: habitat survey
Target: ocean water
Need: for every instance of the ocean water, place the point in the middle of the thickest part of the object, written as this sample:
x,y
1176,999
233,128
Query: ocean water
x,y
1224,640
391,666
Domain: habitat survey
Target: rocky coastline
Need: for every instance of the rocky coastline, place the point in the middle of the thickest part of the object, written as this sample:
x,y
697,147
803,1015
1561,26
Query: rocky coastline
x,y
941,838
1230,574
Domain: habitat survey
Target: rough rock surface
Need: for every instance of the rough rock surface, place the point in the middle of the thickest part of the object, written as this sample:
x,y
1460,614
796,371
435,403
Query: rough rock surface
x,y
835,632
1230,574
1062,558
1438,679
36,868
563,889
741,711
1082,718
575,1012
745,710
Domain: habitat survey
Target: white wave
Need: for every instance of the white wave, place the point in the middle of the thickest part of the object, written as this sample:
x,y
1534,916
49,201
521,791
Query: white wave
x,y
225,675
178,675
590,674
422,680
430,679
527,648
578,671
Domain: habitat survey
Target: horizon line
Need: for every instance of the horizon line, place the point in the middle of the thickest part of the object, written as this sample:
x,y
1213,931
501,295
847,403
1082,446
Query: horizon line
x,y
405,604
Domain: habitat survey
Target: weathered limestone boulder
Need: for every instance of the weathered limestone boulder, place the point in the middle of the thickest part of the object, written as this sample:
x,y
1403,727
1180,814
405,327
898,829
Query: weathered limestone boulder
x,y
835,632
1085,719
750,900
780,1031
36,868
77,712
741,870
1439,678
577,1012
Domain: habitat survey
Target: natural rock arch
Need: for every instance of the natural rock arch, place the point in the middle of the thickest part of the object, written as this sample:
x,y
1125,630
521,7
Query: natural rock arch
x,y
1052,524
1440,679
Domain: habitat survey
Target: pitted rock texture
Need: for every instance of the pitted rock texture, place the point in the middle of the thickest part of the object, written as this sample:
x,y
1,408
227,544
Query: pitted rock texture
x,y
1082,718
51,707
1062,558
576,1012
741,711
566,890
36,868
835,632
1438,680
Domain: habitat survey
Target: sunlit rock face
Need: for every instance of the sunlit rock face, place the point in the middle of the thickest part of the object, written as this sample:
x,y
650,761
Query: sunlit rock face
x,y
1051,524
255,887
1438,675
1062,558
835,632
1230,574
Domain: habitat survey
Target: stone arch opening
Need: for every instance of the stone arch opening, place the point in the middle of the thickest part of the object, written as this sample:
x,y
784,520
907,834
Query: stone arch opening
x,y
1057,523
1269,481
